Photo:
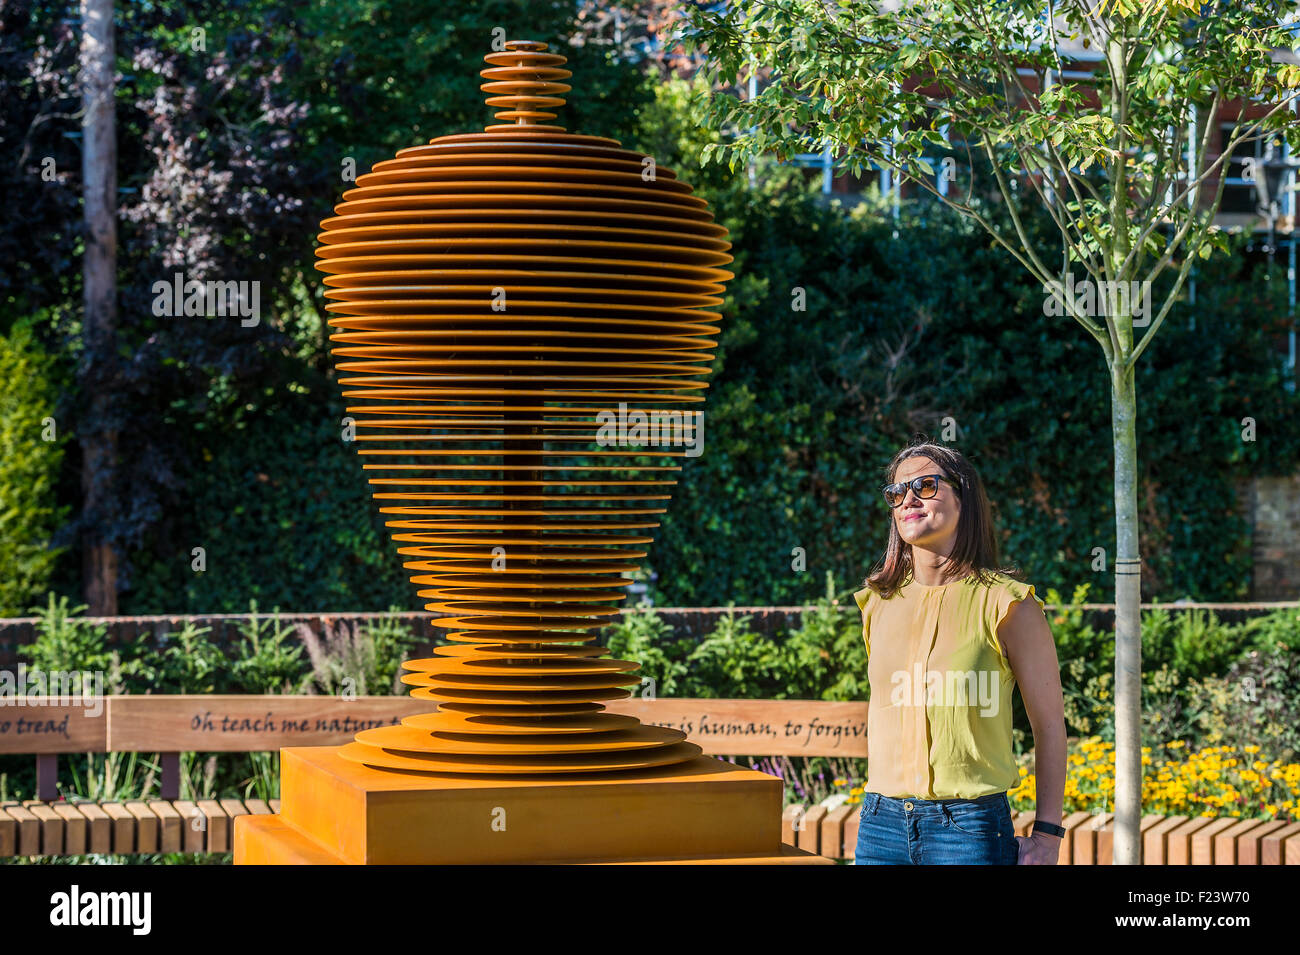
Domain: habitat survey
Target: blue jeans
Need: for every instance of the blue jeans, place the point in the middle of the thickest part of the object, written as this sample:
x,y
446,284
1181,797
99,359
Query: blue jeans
x,y
936,831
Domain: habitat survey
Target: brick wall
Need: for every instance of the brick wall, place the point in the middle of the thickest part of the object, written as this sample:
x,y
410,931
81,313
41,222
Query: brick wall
x,y
1274,503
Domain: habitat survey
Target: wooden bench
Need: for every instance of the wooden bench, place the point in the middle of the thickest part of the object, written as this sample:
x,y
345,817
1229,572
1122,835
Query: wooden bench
x,y
35,828
170,725
1173,840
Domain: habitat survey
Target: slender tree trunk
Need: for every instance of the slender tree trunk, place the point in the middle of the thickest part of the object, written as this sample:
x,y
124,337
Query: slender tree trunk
x,y
1128,621
99,177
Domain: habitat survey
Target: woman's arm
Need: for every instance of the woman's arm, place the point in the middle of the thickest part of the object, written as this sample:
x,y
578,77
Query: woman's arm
x,y
1031,651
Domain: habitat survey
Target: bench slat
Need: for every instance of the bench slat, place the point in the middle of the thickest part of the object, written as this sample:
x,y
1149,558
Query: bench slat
x,y
1205,841
1271,849
233,807
218,825
1248,845
833,831
169,825
194,827
1070,823
99,827
146,826
123,827
51,827
810,833
29,829
75,826
8,835
788,817
1178,842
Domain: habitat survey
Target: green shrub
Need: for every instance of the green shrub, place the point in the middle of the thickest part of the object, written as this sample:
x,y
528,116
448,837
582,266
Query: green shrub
x,y
392,641
1267,632
1195,643
67,643
190,662
1262,705
267,658
284,515
644,637
359,659
29,468
735,661
826,651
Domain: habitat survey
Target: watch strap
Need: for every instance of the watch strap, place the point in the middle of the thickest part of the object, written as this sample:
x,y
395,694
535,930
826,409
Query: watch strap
x,y
1049,828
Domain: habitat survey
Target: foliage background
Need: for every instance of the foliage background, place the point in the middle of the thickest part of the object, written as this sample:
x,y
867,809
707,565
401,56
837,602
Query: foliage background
x,y
230,436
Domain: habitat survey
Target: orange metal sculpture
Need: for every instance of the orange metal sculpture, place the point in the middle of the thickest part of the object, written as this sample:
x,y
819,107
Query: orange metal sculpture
x,y
503,302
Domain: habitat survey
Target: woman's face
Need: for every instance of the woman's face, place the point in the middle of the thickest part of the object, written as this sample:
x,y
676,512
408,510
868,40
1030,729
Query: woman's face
x,y
929,524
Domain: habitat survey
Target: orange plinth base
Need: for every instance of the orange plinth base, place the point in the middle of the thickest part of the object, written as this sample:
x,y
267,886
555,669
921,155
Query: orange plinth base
x,y
337,812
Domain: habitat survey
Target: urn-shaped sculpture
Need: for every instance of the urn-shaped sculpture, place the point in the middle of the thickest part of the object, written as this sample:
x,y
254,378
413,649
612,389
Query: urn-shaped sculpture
x,y
522,334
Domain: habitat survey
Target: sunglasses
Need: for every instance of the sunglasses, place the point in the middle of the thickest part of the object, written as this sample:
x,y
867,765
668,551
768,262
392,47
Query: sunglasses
x,y
924,486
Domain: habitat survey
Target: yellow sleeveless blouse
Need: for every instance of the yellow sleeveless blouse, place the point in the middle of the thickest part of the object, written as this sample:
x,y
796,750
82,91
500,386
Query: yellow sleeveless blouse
x,y
939,716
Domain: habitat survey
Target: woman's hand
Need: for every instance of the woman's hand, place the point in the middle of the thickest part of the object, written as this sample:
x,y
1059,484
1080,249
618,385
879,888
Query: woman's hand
x,y
1042,848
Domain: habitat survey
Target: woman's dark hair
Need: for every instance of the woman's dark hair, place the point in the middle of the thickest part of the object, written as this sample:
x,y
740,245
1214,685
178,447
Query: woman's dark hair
x,y
976,548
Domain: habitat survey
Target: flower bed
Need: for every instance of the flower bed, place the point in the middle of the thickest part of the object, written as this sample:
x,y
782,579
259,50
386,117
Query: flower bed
x,y
1212,781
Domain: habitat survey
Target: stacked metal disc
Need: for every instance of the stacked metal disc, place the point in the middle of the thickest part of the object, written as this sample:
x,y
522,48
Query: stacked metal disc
x,y
507,305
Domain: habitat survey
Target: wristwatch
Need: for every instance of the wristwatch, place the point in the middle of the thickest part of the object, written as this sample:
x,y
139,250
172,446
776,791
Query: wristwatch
x,y
1048,828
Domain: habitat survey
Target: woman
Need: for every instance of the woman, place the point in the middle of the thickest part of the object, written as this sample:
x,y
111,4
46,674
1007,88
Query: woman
x,y
948,635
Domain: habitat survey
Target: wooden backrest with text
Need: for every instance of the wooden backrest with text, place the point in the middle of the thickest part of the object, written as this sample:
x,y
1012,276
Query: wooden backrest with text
x,y
248,723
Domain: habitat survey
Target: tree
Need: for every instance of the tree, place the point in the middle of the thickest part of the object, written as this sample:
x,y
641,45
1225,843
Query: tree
x,y
99,268
1120,161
